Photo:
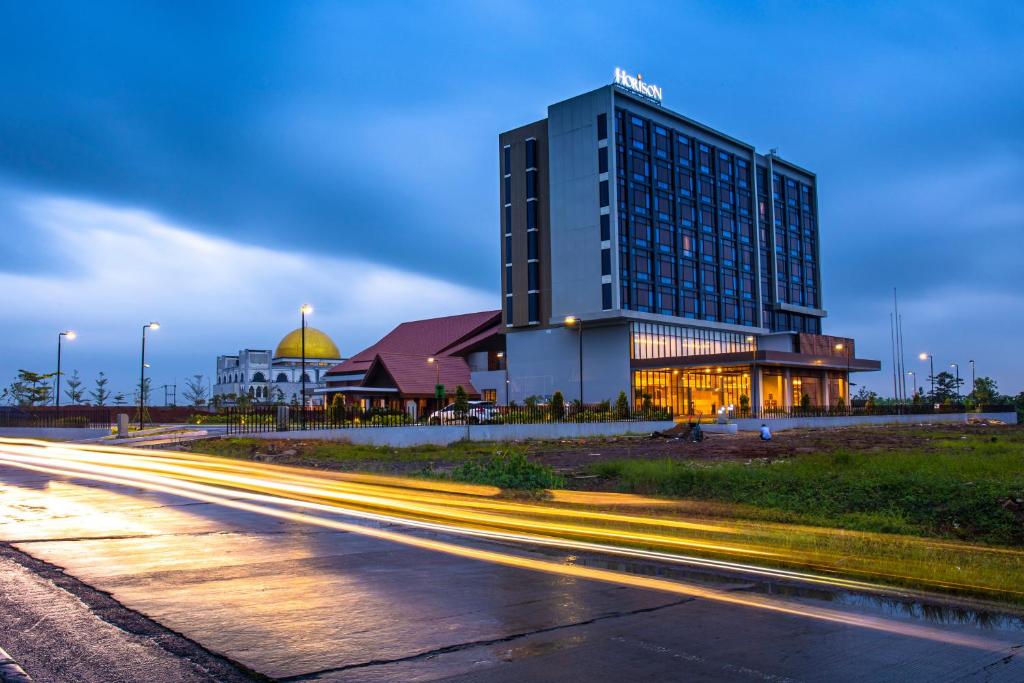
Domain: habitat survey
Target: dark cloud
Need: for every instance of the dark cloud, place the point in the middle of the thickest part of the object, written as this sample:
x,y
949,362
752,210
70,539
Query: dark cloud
x,y
370,131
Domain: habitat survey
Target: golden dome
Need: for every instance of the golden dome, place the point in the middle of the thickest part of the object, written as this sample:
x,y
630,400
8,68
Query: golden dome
x,y
318,345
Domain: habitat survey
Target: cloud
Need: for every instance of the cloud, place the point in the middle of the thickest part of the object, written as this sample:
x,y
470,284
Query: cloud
x,y
122,267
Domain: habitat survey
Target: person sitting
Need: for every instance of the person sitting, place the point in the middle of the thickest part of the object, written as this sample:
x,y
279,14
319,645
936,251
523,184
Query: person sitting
x,y
766,434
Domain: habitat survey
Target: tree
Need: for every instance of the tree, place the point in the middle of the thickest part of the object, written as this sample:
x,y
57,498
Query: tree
x,y
147,389
557,406
622,406
744,403
30,389
461,401
863,394
805,402
101,394
195,391
119,399
947,387
985,391
74,392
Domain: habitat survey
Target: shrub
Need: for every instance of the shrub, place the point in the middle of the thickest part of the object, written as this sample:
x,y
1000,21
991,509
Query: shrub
x,y
557,406
622,406
508,470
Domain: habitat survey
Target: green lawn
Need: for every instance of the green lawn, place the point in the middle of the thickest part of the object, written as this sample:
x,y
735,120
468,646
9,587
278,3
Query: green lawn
x,y
970,488
331,452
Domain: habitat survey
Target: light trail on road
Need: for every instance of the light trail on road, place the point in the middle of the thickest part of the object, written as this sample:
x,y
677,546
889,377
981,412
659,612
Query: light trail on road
x,y
464,510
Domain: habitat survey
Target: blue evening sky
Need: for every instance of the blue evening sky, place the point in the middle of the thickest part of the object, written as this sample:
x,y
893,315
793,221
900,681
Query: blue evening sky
x,y
214,165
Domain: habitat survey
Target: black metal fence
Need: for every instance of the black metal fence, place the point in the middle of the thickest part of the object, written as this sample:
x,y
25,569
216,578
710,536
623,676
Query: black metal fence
x,y
269,419
83,417
881,409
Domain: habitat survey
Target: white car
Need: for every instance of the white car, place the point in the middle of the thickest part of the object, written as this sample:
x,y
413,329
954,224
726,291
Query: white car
x,y
478,412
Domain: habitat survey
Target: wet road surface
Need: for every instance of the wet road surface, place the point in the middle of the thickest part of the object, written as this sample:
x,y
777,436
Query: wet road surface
x,y
295,601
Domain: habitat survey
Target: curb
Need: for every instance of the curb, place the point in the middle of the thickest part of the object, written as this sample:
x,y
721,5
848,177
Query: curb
x,y
10,671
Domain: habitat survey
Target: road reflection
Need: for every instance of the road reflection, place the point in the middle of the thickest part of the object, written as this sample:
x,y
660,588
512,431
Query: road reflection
x,y
630,527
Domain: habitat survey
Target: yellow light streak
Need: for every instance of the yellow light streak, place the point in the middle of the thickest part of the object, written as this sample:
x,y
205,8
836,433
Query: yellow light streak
x,y
264,504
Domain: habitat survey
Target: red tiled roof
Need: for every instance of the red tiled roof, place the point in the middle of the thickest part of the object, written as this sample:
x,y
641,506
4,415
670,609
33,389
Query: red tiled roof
x,y
422,338
414,375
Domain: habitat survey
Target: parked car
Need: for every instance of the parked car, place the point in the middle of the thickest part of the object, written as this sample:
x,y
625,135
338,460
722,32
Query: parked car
x,y
477,413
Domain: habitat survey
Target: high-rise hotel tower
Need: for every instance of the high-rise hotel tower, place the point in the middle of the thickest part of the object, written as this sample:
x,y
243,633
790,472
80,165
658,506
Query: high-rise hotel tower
x,y
645,252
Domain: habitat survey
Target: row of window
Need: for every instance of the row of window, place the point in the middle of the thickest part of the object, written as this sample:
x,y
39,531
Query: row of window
x,y
655,340
257,377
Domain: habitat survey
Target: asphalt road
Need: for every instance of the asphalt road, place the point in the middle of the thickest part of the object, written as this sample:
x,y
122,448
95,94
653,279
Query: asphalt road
x,y
157,587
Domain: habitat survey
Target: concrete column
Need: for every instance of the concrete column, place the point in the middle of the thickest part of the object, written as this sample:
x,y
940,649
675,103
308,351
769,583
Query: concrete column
x,y
787,390
756,385
825,389
122,426
281,421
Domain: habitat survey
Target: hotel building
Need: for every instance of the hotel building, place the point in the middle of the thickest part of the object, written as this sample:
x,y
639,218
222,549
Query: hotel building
x,y
645,252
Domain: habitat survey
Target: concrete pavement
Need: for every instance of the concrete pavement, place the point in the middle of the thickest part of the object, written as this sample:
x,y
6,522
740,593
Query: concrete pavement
x,y
298,602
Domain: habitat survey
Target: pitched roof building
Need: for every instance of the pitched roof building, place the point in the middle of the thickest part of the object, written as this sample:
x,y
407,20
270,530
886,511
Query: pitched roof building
x,y
405,365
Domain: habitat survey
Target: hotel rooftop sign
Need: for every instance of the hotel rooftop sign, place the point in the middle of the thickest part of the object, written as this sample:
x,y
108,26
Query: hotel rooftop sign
x,y
637,85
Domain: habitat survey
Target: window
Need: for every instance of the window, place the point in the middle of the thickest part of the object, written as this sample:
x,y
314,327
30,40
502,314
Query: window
x,y
508,310
508,279
531,153
606,262
602,126
533,275
506,154
489,395
531,215
508,249
508,219
281,377
606,226
604,193
602,160
531,184
531,245
534,306
606,296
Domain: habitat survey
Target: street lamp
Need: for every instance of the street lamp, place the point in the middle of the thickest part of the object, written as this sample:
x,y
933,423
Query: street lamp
x,y
70,334
142,374
570,321
913,380
504,363
303,310
972,377
931,369
437,381
957,368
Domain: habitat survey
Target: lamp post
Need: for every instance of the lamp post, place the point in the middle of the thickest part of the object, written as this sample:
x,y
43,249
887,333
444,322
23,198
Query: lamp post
x,y
437,380
570,321
142,374
972,376
956,367
70,334
504,364
913,381
303,310
931,369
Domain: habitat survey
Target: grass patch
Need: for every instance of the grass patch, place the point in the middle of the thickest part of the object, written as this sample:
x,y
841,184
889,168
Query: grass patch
x,y
510,470
969,488
328,452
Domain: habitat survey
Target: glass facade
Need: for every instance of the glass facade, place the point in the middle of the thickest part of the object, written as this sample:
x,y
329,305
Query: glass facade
x,y
788,258
686,225
699,391
655,340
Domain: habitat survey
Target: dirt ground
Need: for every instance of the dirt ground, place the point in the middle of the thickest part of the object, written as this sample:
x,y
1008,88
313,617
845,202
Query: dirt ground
x,y
572,456
576,455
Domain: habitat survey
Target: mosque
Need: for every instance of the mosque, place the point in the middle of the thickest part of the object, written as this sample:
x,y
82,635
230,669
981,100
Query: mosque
x,y
276,377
